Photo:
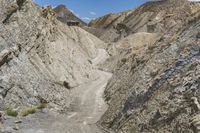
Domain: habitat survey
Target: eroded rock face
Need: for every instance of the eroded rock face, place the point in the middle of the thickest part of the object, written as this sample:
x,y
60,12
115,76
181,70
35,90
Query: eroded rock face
x,y
154,16
38,55
111,24
153,89
155,86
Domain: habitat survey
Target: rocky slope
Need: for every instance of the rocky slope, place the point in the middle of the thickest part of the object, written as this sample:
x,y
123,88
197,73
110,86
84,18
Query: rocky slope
x,y
155,85
41,58
155,16
155,59
65,15
108,25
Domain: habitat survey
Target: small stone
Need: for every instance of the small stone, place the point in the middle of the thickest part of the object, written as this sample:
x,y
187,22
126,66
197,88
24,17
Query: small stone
x,y
18,121
16,128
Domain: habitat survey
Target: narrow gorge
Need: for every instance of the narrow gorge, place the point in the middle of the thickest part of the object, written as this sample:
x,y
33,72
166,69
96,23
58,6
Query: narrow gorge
x,y
131,72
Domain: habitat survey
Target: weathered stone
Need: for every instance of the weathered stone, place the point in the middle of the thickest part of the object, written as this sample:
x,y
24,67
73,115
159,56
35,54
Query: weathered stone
x,y
163,76
37,54
18,121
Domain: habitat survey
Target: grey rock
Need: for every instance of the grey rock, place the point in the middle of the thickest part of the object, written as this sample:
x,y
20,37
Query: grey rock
x,y
39,54
18,121
152,87
16,127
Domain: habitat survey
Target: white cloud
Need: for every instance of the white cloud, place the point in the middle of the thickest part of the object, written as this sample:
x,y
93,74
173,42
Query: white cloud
x,y
92,13
86,18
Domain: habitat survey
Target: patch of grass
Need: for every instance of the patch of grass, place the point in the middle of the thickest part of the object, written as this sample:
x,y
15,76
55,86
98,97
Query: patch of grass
x,y
28,111
42,106
11,112
132,130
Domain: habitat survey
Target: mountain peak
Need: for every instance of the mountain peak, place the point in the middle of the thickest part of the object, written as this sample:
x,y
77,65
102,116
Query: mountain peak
x,y
61,6
65,15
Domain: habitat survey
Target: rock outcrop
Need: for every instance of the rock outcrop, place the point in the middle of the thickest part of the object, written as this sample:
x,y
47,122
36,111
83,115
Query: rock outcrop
x,y
154,16
156,78
40,55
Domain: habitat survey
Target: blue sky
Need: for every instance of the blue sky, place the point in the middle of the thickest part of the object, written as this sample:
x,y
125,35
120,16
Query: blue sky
x,y
89,9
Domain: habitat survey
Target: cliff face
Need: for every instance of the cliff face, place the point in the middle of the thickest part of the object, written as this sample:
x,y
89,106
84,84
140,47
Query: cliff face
x,y
155,85
39,56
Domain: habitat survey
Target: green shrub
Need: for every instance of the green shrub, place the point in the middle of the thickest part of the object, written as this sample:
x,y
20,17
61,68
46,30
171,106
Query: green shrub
x,y
132,130
11,112
42,106
28,111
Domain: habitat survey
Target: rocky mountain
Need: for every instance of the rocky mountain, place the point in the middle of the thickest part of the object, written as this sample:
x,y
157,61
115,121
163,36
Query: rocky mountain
x,y
155,85
41,58
154,16
65,15
108,25
153,52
